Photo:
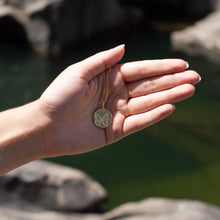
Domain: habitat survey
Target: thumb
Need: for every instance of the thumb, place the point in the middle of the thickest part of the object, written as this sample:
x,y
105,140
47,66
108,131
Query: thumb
x,y
96,64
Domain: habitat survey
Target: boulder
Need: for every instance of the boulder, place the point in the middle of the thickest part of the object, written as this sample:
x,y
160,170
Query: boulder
x,y
44,185
51,25
18,214
42,190
173,10
164,209
148,209
203,38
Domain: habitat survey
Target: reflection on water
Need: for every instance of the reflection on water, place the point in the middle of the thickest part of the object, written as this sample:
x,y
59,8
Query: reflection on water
x,y
177,158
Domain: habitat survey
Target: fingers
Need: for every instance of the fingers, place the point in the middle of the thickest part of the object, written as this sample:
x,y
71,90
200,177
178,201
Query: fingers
x,y
160,83
142,69
145,103
96,64
137,122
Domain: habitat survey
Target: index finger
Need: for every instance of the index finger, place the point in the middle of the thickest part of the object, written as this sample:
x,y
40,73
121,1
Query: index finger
x,y
138,70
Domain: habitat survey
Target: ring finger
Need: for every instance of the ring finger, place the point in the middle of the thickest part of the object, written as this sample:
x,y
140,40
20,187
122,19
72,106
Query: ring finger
x,y
145,103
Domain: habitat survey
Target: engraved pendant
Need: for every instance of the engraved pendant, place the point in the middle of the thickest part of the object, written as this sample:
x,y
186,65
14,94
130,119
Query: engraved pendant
x,y
102,118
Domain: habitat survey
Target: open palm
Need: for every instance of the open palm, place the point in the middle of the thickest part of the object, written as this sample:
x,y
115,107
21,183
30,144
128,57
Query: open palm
x,y
140,94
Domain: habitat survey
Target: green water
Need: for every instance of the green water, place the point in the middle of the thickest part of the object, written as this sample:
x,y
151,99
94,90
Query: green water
x,y
176,158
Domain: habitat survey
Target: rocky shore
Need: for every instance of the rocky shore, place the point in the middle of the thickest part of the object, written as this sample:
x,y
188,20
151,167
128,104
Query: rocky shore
x,y
203,38
50,26
42,190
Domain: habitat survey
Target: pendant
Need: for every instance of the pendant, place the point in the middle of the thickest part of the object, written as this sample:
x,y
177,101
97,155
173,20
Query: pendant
x,y
102,118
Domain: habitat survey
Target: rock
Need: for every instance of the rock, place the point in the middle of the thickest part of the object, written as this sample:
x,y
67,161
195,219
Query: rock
x,y
51,25
32,191
149,209
164,209
42,184
203,38
173,9
18,214
16,23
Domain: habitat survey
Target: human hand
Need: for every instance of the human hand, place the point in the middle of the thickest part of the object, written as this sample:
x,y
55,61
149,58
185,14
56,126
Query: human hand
x,y
140,94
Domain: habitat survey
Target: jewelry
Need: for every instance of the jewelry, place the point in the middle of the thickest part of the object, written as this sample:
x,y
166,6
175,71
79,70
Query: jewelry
x,y
102,118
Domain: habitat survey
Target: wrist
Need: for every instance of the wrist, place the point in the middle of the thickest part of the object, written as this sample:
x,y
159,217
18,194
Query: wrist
x,y
21,136
37,125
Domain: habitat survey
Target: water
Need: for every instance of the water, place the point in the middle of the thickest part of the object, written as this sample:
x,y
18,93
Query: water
x,y
176,158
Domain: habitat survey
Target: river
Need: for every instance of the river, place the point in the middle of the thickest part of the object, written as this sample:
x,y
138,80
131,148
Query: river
x,y
176,158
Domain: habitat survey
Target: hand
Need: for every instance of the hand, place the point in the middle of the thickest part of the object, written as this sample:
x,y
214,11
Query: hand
x,y
140,94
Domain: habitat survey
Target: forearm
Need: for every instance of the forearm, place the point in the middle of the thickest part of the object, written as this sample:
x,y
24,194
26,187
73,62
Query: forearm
x,y
21,136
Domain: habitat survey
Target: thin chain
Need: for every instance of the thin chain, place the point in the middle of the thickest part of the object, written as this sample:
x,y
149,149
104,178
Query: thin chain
x,y
105,90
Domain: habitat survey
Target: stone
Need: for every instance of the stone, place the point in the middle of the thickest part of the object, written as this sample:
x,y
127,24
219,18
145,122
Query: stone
x,y
18,214
43,22
42,190
164,209
148,209
50,186
203,38
173,10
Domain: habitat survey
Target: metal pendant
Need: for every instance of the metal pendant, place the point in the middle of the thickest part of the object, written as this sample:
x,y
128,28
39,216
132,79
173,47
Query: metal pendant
x,y
102,118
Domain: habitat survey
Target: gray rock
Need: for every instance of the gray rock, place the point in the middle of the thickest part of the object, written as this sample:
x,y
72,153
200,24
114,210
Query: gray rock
x,y
149,209
164,209
31,191
174,9
203,38
17,214
50,25
42,184
42,190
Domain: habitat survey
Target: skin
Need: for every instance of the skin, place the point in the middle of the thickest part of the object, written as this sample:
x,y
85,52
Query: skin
x,y
60,122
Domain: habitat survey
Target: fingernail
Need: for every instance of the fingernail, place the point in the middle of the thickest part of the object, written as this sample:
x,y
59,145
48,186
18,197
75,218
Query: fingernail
x,y
121,45
200,78
187,65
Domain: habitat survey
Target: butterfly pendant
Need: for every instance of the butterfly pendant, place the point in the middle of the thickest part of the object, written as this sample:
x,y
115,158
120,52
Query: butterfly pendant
x,y
102,118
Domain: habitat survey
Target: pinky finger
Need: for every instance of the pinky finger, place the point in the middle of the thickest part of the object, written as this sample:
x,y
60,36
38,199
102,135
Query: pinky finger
x,y
137,122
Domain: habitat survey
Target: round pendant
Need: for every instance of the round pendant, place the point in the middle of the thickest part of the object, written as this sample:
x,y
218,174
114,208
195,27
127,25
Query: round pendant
x,y
102,118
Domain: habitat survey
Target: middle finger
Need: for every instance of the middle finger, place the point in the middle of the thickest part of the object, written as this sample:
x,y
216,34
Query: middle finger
x,y
160,83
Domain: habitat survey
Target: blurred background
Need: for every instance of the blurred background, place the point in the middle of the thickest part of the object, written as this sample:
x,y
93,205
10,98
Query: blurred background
x,y
176,158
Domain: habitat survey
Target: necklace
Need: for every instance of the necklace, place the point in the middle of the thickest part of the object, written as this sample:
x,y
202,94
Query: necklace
x,y
102,118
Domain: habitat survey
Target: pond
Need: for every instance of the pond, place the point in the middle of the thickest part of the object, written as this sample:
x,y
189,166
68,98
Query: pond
x,y
176,158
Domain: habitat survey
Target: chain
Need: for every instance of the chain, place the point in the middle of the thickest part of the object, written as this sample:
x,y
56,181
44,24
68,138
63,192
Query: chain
x,y
105,89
